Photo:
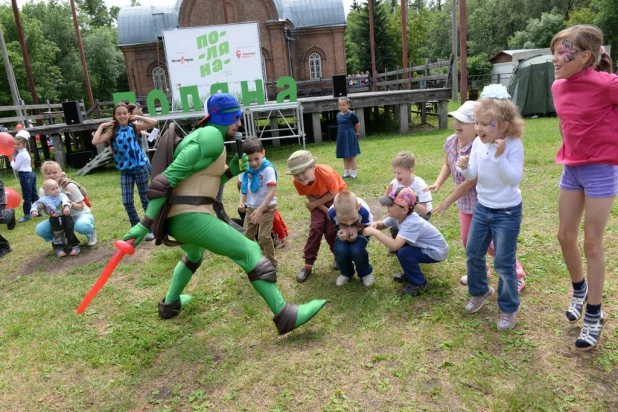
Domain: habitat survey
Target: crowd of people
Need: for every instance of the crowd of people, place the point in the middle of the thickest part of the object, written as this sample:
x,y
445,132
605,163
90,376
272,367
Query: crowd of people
x,y
484,156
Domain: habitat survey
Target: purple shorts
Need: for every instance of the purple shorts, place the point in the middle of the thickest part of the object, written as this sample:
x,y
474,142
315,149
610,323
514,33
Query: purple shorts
x,y
596,180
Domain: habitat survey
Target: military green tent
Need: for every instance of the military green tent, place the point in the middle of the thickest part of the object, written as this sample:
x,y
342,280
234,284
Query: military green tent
x,y
530,86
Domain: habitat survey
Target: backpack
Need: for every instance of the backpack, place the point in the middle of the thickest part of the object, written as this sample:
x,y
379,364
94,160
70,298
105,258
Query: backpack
x,y
65,180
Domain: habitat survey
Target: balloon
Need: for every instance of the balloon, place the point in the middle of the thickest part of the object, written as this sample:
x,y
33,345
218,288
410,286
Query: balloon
x,y
13,199
19,126
6,144
123,249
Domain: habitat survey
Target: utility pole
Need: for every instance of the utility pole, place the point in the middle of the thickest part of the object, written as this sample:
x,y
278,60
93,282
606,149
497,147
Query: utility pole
x,y
371,42
463,49
24,51
454,69
10,75
404,40
82,55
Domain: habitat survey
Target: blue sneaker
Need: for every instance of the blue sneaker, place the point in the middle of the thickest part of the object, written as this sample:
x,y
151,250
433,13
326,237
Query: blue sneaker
x,y
24,219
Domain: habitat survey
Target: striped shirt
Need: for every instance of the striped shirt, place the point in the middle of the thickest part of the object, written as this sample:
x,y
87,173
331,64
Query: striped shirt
x,y
467,202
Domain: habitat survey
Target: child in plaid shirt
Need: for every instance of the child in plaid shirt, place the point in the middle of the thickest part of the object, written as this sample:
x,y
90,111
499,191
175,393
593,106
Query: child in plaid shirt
x,y
464,193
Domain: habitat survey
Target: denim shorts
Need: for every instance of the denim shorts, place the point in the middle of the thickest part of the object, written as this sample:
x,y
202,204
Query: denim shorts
x,y
596,180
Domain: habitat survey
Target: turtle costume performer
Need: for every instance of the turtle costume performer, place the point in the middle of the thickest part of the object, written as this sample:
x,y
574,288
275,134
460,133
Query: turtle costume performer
x,y
187,187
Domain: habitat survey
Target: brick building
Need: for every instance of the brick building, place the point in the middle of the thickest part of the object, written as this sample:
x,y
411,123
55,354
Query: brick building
x,y
298,38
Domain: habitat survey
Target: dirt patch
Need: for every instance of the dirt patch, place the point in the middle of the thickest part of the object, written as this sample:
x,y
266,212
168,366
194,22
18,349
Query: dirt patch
x,y
101,253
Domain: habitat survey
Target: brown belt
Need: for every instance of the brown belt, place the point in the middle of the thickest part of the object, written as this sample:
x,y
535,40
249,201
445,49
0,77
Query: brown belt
x,y
191,200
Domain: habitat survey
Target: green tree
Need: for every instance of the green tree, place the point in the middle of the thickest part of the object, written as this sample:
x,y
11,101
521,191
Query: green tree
x,y
59,29
42,53
358,49
105,62
607,20
96,12
538,32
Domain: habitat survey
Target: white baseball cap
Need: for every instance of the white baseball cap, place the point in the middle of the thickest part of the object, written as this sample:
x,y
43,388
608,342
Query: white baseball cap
x,y
465,113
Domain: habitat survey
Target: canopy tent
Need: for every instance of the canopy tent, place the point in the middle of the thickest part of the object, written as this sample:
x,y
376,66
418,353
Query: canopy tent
x,y
530,86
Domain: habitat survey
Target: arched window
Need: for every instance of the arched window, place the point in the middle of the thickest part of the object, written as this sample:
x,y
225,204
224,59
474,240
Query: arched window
x,y
315,66
159,79
264,72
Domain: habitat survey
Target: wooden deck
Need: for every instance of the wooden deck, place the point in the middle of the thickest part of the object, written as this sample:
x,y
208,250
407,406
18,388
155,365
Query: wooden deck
x,y
402,102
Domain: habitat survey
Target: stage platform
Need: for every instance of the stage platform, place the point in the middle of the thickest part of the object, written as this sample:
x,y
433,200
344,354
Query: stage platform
x,y
401,100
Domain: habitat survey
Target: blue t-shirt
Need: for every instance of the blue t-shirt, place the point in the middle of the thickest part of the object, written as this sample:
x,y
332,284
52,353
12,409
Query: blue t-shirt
x,y
128,153
364,214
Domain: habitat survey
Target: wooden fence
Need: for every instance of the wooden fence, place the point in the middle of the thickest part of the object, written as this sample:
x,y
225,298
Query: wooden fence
x,y
47,113
426,76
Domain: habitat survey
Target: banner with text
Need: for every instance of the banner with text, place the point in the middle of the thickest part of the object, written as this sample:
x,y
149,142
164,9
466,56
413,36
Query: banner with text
x,y
211,55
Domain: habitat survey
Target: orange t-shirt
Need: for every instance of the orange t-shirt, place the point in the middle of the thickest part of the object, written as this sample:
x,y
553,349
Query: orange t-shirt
x,y
326,180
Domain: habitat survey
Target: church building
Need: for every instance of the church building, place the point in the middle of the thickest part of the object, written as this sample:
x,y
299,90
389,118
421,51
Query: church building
x,y
298,38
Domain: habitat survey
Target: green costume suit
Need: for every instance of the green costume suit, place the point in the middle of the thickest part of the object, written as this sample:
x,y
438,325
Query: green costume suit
x,y
202,231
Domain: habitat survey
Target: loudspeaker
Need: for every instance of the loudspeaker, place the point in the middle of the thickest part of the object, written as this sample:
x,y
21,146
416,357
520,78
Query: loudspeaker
x,y
72,114
340,86
80,159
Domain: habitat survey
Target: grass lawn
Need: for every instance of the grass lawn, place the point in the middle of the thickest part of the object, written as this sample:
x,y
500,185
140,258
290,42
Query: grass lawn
x,y
369,349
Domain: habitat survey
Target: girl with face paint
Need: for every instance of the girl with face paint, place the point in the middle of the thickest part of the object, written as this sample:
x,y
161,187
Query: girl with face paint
x,y
586,102
496,160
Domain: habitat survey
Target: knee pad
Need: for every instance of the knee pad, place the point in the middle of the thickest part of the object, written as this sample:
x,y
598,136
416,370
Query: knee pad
x,y
190,265
264,270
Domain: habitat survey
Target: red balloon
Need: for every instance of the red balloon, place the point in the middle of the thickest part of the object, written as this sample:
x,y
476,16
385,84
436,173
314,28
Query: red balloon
x,y
6,144
19,126
13,198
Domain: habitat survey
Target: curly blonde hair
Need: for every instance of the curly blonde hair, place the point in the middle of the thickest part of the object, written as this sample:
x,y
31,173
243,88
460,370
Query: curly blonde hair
x,y
500,110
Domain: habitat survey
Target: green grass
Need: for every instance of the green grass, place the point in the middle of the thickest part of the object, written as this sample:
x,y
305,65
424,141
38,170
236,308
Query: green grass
x,y
368,349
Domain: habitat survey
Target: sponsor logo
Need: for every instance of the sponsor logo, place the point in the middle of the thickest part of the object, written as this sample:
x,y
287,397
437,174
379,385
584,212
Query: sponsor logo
x,y
182,60
242,55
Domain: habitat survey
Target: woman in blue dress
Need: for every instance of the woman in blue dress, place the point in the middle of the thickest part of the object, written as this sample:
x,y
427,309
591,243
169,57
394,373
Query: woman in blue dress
x,y
348,129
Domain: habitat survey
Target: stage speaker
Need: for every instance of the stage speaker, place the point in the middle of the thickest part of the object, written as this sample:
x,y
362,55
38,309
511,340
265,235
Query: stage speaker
x,y
72,114
80,159
340,86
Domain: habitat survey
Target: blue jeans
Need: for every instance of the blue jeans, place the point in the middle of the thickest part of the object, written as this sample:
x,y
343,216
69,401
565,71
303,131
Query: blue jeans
x,y
501,225
409,258
82,224
27,180
349,254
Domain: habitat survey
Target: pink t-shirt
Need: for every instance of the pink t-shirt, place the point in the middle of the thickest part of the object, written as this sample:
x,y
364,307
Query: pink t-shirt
x,y
587,104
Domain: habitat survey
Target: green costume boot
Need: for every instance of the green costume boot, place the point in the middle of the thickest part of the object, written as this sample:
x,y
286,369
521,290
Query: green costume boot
x,y
288,316
174,302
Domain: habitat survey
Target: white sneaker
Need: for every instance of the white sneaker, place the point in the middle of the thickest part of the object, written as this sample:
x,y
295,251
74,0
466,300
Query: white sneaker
x,y
93,238
342,280
149,237
368,280
464,279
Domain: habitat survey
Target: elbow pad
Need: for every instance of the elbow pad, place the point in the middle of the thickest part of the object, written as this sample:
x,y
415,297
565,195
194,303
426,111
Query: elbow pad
x,y
159,187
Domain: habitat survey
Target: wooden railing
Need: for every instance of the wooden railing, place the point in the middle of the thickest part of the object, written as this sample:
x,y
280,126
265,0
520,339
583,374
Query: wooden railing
x,y
418,77
47,113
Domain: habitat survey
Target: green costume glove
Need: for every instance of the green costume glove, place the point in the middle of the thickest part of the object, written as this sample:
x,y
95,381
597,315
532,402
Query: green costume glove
x,y
237,167
137,232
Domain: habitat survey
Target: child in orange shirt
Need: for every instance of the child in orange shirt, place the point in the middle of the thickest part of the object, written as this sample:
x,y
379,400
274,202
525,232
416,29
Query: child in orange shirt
x,y
320,183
